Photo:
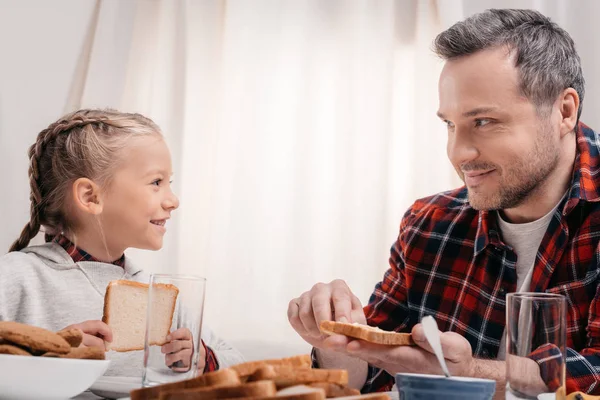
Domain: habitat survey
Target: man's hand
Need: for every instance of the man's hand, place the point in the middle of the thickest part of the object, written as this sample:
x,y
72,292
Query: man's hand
x,y
179,351
95,333
325,302
417,359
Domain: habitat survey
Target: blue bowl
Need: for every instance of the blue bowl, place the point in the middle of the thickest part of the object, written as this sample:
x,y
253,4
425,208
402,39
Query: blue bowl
x,y
434,387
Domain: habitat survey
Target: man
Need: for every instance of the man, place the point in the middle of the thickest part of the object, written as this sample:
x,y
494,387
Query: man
x,y
527,219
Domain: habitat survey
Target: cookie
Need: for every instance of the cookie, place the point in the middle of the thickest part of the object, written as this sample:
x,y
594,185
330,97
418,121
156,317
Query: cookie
x,y
366,333
87,353
32,337
13,350
73,336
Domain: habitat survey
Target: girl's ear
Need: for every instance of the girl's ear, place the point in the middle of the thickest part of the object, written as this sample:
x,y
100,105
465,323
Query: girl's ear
x,y
87,196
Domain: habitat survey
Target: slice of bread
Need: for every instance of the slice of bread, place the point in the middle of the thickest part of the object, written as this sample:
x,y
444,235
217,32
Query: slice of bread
x,y
366,333
248,368
285,376
125,306
254,389
221,378
335,390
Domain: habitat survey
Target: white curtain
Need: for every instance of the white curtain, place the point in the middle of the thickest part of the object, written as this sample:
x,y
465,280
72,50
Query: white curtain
x,y
300,131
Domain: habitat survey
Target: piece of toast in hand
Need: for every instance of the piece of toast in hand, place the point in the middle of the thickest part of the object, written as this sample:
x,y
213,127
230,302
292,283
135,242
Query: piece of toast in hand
x,y
125,305
366,333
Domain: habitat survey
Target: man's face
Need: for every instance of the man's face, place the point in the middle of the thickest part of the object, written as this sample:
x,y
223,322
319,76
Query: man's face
x,y
498,143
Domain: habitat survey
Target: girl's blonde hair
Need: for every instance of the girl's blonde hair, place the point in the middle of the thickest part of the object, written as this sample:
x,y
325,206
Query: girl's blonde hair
x,y
83,144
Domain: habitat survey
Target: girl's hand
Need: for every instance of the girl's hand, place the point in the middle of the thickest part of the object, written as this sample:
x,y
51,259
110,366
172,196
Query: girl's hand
x,y
179,350
95,333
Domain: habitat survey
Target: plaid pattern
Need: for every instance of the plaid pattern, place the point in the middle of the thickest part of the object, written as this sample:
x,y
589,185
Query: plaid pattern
x,y
211,363
449,261
80,255
77,254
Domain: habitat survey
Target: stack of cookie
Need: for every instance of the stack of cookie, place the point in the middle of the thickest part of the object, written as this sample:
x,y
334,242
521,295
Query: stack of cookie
x,y
26,340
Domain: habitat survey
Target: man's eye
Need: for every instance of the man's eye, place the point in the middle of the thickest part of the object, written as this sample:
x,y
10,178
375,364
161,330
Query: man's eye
x,y
449,124
482,122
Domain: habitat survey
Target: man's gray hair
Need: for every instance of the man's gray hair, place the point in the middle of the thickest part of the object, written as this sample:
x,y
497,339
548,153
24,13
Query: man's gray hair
x,y
545,53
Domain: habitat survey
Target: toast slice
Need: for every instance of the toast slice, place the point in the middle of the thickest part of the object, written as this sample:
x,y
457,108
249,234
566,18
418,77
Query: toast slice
x,y
254,389
220,378
248,368
125,306
366,333
334,390
285,376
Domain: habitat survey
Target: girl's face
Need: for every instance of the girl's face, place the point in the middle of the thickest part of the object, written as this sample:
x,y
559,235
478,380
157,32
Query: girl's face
x,y
138,201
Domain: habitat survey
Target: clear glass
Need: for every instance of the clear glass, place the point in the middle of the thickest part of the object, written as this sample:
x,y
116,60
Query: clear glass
x,y
536,338
187,320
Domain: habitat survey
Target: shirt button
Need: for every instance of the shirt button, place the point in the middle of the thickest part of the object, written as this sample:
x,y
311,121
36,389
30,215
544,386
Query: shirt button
x,y
502,291
485,353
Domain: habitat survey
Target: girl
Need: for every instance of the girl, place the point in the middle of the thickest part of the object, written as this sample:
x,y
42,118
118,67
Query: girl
x,y
100,183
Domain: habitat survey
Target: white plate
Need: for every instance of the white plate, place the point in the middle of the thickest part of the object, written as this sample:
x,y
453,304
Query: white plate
x,y
28,377
115,387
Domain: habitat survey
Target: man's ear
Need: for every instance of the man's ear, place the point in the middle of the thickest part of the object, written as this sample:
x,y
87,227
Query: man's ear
x,y
87,196
569,107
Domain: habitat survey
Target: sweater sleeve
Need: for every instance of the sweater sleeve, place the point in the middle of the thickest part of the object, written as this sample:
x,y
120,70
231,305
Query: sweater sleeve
x,y
224,352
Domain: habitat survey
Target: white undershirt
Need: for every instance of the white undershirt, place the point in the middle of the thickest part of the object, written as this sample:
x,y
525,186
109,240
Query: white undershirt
x,y
525,239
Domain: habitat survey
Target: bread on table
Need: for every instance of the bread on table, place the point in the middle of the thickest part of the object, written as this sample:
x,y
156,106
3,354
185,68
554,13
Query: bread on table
x,y
282,379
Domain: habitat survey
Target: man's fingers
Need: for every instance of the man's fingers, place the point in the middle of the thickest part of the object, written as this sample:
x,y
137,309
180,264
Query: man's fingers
x,y
418,336
321,306
341,299
336,342
403,358
307,317
294,316
455,347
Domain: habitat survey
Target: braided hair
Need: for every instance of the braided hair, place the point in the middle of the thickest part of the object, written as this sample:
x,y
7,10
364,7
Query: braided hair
x,y
85,143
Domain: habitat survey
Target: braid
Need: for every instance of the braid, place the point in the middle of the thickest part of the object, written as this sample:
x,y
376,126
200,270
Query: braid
x,y
36,151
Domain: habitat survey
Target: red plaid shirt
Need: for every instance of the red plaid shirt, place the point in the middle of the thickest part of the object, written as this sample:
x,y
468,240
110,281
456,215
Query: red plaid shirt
x,y
77,254
449,261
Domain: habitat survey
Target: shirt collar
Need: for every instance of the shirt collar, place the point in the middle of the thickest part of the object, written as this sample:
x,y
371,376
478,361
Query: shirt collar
x,y
583,186
78,254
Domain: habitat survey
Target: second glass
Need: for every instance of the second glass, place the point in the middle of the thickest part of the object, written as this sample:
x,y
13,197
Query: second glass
x,y
186,302
535,345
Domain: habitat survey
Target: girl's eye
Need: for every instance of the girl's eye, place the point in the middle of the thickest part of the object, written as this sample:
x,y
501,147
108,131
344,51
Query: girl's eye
x,y
157,182
482,122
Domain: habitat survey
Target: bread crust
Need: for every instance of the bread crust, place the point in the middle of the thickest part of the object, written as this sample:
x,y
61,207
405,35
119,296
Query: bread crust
x,y
254,389
222,377
248,368
367,333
